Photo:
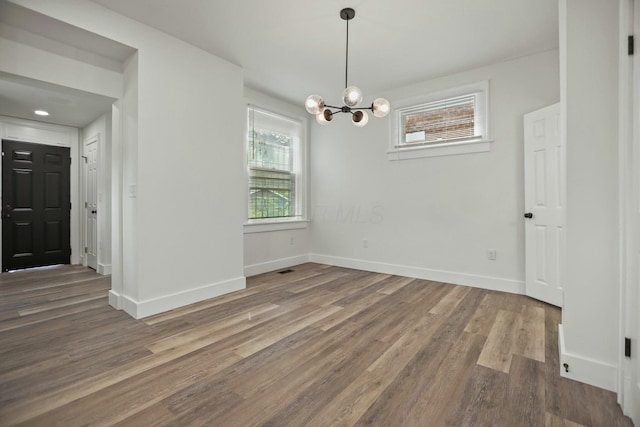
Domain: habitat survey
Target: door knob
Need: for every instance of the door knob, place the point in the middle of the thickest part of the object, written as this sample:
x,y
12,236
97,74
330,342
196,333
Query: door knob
x,y
528,215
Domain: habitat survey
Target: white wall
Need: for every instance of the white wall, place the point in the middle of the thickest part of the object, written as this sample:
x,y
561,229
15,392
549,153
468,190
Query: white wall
x,y
589,52
432,217
100,128
183,187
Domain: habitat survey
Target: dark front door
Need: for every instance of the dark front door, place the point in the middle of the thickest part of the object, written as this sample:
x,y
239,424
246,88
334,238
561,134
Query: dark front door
x,y
35,205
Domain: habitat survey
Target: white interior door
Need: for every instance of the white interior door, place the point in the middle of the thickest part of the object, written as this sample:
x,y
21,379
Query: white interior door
x,y
91,202
544,170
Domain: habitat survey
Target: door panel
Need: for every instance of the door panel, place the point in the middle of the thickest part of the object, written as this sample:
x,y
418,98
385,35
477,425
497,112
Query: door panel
x,y
544,230
36,205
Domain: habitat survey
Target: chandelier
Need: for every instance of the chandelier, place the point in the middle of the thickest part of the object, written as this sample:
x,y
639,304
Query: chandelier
x,y
351,97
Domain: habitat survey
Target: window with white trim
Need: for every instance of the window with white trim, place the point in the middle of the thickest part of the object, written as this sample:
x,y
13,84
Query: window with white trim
x,y
274,167
449,122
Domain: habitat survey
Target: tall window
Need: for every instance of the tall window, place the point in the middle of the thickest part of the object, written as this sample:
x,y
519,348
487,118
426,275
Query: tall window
x,y
274,164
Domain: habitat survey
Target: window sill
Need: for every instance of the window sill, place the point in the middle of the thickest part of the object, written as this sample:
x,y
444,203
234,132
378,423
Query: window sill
x,y
445,149
263,226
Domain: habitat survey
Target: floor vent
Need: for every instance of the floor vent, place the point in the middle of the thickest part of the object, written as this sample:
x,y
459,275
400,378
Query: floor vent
x,y
285,271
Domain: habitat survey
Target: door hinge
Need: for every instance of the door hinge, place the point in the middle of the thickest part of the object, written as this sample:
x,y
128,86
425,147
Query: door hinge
x,y
627,347
630,45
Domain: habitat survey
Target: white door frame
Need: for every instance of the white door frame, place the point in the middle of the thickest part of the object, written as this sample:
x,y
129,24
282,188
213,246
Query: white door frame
x,y
629,211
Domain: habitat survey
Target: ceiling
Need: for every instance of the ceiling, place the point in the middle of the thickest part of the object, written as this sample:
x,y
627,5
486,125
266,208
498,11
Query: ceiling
x,y
292,48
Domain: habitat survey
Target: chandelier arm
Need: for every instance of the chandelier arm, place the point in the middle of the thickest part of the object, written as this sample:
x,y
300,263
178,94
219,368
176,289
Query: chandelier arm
x,y
343,109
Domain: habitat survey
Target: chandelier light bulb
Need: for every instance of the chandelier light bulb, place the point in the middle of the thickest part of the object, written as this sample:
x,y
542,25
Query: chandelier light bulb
x,y
380,107
352,96
314,104
360,118
324,117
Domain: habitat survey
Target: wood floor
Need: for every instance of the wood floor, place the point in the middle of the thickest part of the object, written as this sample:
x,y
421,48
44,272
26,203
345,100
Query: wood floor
x,y
317,346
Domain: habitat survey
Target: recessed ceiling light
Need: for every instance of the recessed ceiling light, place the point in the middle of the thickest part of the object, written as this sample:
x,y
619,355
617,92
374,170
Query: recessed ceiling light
x,y
41,112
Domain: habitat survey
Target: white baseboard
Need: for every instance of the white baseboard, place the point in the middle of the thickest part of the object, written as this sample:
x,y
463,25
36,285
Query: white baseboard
x,y
104,269
584,369
474,280
115,300
266,267
140,309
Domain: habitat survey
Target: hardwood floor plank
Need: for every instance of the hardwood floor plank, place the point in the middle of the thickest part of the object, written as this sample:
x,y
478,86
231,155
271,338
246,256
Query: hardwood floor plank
x,y
201,306
498,350
315,281
154,415
48,315
530,339
483,318
349,312
434,405
248,348
450,301
482,403
555,421
526,393
392,284
231,324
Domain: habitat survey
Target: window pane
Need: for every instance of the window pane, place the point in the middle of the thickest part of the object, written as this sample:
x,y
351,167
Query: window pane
x,y
270,194
446,120
269,150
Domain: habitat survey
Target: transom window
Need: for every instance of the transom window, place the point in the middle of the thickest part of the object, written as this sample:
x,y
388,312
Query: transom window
x,y
454,121
273,160
448,120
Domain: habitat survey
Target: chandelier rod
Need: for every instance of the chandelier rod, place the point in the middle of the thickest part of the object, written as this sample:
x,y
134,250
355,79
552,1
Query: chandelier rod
x,y
346,62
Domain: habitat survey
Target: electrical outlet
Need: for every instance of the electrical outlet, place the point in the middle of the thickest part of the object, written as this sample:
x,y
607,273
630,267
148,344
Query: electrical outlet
x,y
491,254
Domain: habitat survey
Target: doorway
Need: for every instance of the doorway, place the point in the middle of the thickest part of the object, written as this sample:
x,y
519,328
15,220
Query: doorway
x,y
36,209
